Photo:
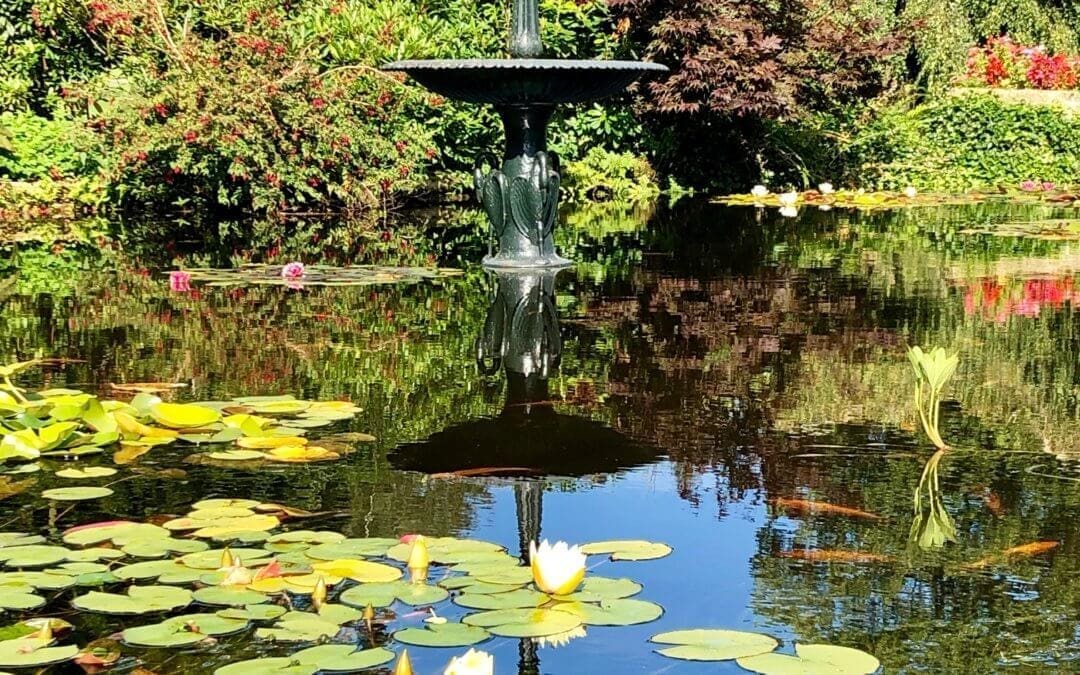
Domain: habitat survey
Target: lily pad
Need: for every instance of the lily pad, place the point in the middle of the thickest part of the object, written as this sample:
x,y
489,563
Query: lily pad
x,y
30,652
320,659
183,416
511,600
630,549
278,407
17,598
138,600
813,659
363,571
713,644
595,589
384,594
19,539
212,559
88,472
524,623
165,571
35,555
259,612
308,628
228,596
447,550
448,634
351,548
42,580
205,504
119,532
621,612
236,455
76,494
159,547
181,631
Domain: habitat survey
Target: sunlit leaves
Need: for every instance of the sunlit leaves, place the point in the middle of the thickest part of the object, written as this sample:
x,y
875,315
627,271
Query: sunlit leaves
x,y
384,594
448,634
183,416
319,659
628,549
76,494
522,623
619,612
31,652
813,659
182,631
138,600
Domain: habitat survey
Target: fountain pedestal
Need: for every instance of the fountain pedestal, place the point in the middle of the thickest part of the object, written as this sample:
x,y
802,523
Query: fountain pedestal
x,y
521,197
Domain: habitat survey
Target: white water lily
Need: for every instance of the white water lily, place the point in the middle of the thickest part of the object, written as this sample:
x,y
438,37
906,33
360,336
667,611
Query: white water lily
x,y
825,188
759,191
789,211
789,198
473,662
910,192
557,569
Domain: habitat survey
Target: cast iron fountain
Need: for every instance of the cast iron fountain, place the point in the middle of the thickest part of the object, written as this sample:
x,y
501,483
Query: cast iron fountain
x,y
522,197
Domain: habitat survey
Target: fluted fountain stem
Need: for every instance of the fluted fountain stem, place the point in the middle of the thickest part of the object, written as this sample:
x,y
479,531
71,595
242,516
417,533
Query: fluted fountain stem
x,y
525,30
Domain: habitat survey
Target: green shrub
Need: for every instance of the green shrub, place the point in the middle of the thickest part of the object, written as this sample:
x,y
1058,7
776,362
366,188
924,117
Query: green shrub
x,y
603,176
966,142
36,147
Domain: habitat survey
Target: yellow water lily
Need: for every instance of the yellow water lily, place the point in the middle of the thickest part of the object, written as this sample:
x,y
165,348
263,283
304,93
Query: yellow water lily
x,y
403,665
472,662
557,569
318,594
419,559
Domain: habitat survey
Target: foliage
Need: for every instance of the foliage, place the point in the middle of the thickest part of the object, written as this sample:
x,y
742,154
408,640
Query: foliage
x,y
38,147
606,176
964,142
735,64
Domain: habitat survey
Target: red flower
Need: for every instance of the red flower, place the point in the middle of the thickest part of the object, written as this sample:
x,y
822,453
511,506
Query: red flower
x,y
319,103
161,110
400,146
190,136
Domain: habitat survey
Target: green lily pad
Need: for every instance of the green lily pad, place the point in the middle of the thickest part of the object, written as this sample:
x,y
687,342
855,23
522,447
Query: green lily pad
x,y
75,494
30,652
216,512
181,631
279,407
96,579
165,571
351,548
321,659
448,634
339,614
206,504
813,659
17,598
77,568
507,575
120,533
183,416
229,596
524,623
138,600
35,555
447,550
310,537
384,594
88,472
19,539
308,628
159,547
621,612
236,455
94,554
242,537
471,585
713,644
510,600
43,580
630,549
260,612
211,559
595,589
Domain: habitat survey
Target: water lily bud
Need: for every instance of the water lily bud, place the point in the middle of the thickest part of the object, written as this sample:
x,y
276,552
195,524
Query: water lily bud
x,y
226,558
318,594
826,188
236,561
369,613
473,662
759,191
418,554
403,665
557,569
45,633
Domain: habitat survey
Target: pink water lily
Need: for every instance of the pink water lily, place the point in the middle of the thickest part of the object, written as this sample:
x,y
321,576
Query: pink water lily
x,y
179,281
1048,186
1029,186
294,270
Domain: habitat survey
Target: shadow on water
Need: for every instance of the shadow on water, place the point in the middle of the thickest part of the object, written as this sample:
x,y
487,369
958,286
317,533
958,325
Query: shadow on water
x,y
675,383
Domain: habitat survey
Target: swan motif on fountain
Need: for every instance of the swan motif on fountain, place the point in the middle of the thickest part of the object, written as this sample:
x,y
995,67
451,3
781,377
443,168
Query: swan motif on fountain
x,y
521,197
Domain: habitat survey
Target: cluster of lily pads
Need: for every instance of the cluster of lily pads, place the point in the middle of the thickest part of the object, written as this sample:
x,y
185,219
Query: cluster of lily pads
x,y
315,275
67,424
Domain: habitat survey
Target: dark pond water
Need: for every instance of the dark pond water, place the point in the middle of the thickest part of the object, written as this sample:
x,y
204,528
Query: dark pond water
x,y
680,378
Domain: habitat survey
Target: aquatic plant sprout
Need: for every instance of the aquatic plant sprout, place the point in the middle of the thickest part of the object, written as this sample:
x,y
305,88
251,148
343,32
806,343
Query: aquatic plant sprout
x,y
932,371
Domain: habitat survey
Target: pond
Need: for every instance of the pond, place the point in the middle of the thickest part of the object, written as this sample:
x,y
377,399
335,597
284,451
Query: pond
x,y
696,380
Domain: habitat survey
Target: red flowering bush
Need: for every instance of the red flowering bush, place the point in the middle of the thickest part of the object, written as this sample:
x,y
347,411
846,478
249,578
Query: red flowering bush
x,y
1002,62
230,107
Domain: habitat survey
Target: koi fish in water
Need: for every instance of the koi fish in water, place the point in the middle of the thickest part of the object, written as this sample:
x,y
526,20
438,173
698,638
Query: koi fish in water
x,y
833,555
1023,551
822,508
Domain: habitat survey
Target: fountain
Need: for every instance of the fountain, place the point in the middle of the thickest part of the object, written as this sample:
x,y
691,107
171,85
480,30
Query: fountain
x,y
522,197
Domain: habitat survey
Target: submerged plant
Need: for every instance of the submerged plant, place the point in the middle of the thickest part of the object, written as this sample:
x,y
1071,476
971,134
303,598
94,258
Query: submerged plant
x,y
933,526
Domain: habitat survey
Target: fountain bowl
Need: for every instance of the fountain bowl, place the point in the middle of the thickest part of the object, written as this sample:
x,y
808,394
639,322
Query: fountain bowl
x,y
509,82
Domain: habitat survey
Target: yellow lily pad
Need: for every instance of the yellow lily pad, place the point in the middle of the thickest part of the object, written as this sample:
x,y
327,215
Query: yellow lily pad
x,y
268,442
183,416
363,571
295,453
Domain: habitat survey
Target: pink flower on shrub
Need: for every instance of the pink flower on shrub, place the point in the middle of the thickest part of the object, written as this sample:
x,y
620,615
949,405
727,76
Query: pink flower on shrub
x,y
294,270
1029,186
179,281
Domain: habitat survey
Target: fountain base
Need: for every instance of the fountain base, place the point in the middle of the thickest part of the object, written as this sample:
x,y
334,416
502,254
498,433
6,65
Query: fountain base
x,y
521,197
